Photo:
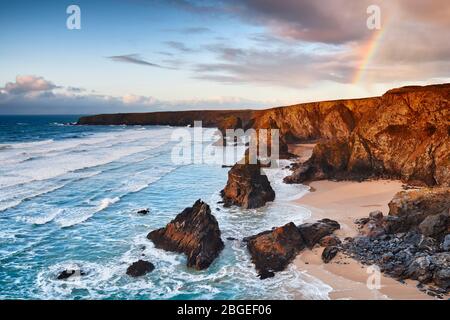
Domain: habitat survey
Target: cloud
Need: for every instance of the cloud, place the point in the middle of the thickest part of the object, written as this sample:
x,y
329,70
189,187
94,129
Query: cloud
x,y
44,99
25,84
279,66
179,46
134,59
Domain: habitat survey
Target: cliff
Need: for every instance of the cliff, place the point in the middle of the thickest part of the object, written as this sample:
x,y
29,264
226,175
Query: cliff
x,y
403,134
406,135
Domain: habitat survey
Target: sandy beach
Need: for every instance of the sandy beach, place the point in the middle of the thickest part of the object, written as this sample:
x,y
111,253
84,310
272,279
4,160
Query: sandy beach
x,y
345,202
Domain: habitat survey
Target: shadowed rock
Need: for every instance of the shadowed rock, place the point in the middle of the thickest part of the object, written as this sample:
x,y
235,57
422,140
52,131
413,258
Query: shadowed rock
x,y
313,232
273,250
404,135
329,253
65,274
140,268
427,209
247,187
194,232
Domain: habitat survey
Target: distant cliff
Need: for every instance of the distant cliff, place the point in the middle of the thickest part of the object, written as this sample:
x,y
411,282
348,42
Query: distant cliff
x,y
403,134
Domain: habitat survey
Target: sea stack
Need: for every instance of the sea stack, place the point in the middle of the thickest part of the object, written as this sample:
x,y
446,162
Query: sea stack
x,y
247,187
194,232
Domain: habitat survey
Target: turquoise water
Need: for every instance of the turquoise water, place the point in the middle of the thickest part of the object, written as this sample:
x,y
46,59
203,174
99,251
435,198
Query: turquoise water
x,y
69,197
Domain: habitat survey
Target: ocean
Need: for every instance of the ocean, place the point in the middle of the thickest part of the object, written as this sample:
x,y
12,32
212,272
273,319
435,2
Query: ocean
x,y
69,197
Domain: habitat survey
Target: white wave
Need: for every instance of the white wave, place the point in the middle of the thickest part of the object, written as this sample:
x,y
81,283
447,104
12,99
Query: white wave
x,y
75,216
105,203
41,219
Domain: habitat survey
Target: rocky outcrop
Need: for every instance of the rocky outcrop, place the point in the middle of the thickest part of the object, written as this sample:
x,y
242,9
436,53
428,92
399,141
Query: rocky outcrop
x,y
273,250
140,268
194,232
426,209
68,273
312,233
403,134
247,187
406,135
329,253
412,241
408,255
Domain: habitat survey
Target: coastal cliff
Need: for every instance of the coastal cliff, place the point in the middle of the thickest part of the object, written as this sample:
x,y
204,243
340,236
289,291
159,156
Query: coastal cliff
x,y
404,134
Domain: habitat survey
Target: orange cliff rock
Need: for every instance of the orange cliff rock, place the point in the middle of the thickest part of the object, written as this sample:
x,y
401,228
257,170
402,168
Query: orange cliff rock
x,y
403,134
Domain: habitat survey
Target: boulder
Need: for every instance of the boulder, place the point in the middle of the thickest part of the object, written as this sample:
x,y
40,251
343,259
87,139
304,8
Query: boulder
x,y
373,226
313,232
408,209
273,250
329,253
143,212
140,268
194,232
446,243
247,187
65,274
330,240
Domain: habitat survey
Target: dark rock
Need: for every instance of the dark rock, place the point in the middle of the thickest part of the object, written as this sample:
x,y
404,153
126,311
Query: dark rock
x,y
435,225
247,187
194,232
330,240
446,243
143,212
329,253
407,210
273,250
313,232
266,274
442,278
361,221
231,239
140,268
65,274
376,215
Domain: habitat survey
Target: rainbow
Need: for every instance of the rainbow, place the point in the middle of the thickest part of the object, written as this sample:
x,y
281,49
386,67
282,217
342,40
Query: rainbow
x,y
367,53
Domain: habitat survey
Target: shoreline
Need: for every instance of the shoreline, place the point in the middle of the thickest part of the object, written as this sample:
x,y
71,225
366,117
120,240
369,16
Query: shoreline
x,y
346,201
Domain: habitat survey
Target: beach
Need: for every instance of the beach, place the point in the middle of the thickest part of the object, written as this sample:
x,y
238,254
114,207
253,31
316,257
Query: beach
x,y
346,201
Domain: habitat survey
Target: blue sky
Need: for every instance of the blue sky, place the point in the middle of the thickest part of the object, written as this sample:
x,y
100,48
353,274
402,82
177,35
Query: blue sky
x,y
146,55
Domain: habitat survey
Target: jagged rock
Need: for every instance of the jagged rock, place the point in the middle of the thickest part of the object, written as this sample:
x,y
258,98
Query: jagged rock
x,y
313,232
329,253
247,187
194,232
140,268
65,274
273,250
435,225
409,209
403,134
374,225
330,240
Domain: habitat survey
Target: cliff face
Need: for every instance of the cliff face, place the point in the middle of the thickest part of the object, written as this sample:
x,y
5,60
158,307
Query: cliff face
x,y
403,134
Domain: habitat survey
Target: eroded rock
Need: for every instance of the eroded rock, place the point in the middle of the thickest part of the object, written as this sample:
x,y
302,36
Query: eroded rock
x,y
273,250
194,232
140,268
247,187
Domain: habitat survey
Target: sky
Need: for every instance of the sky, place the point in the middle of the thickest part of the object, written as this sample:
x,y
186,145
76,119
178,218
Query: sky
x,y
158,55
